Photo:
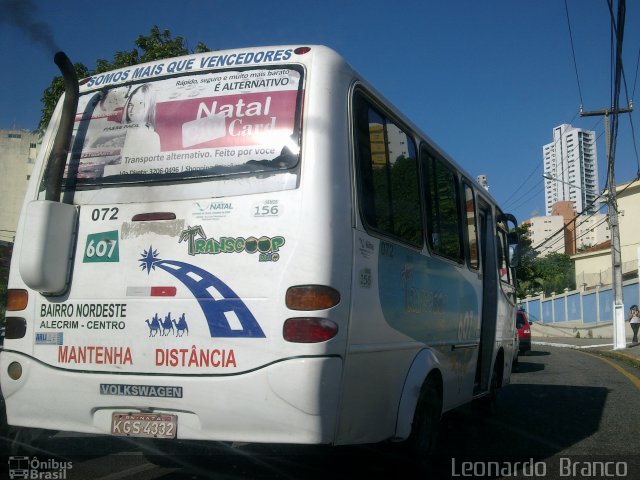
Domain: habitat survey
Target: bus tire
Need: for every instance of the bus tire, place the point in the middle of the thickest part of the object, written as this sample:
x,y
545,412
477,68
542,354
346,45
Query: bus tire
x,y
421,443
487,404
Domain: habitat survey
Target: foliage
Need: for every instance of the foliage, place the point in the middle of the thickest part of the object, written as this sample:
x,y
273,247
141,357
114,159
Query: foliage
x,y
52,94
155,46
552,273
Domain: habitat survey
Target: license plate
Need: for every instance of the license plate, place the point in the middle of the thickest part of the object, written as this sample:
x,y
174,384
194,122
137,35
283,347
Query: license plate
x,y
151,425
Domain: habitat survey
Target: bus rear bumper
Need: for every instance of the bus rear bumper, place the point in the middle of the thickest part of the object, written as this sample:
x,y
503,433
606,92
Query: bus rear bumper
x,y
291,401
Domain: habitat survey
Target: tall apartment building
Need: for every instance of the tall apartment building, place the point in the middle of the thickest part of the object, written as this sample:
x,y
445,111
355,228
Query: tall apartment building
x,y
17,157
571,161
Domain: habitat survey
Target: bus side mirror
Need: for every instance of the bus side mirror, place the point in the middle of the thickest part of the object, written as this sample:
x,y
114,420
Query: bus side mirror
x,y
514,249
49,234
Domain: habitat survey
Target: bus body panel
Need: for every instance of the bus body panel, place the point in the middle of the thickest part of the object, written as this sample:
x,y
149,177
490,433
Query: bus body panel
x,y
208,408
404,301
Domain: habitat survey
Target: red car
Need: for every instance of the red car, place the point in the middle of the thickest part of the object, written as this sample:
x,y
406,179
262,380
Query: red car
x,y
524,331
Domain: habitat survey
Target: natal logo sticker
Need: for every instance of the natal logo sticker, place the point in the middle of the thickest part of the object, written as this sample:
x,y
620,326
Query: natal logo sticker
x,y
218,313
198,243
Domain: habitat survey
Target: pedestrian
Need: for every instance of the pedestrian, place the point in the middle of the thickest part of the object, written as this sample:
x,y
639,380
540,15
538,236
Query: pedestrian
x,y
633,317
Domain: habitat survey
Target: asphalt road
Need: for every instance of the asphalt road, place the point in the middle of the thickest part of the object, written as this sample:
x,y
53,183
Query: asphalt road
x,y
565,411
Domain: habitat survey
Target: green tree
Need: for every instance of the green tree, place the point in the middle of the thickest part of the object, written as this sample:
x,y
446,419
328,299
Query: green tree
x,y
155,46
557,271
527,281
552,273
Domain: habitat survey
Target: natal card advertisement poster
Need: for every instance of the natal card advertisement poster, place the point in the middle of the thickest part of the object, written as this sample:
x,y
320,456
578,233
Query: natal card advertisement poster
x,y
185,124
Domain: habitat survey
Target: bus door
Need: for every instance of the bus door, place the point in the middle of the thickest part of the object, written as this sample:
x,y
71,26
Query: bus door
x,y
489,295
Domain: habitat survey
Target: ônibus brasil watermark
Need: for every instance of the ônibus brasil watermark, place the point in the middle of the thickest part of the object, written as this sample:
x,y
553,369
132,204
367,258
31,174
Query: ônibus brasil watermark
x,y
564,467
34,469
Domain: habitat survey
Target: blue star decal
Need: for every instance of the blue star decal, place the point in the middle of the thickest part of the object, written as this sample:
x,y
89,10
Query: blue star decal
x,y
149,259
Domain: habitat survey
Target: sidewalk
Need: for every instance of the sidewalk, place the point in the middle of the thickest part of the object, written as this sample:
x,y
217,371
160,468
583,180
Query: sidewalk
x,y
603,346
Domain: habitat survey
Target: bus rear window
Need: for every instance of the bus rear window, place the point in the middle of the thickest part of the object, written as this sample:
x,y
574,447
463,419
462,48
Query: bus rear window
x,y
187,127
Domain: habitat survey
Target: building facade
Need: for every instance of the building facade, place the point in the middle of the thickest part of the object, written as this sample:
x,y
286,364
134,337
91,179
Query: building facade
x,y
591,230
565,209
545,234
593,266
17,156
571,169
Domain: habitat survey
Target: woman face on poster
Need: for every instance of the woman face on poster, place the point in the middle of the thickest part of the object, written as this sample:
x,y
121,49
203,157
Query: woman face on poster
x,y
140,107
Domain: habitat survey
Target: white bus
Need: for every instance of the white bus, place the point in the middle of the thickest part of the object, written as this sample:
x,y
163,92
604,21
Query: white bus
x,y
251,246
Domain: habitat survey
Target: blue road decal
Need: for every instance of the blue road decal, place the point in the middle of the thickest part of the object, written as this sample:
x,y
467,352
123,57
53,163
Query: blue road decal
x,y
199,282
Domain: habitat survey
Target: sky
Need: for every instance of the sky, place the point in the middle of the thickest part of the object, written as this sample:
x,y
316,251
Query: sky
x,y
485,80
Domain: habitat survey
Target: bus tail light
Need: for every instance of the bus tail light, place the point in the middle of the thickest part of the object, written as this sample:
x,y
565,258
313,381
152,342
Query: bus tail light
x,y
311,297
309,330
15,327
17,299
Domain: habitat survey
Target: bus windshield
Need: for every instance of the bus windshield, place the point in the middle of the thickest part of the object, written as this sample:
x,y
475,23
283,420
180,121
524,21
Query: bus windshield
x,y
186,127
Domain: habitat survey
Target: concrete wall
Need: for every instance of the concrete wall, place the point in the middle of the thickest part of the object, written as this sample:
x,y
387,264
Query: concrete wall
x,y
574,312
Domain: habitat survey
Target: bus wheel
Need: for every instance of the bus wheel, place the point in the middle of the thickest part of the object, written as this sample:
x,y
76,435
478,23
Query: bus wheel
x,y
422,441
487,404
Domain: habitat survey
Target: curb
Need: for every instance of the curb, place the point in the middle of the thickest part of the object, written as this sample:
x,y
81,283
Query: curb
x,y
597,350
623,357
568,345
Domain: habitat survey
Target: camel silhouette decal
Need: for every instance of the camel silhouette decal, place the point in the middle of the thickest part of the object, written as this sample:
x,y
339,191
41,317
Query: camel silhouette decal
x,y
181,326
168,326
154,325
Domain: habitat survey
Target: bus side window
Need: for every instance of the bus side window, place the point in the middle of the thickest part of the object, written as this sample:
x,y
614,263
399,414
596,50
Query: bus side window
x,y
503,260
444,225
388,174
472,230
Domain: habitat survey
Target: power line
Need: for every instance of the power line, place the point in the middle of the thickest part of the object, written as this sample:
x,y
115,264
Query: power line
x,y
575,64
633,93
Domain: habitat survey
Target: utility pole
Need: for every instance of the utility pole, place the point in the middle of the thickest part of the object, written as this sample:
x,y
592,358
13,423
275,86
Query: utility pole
x,y
619,336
